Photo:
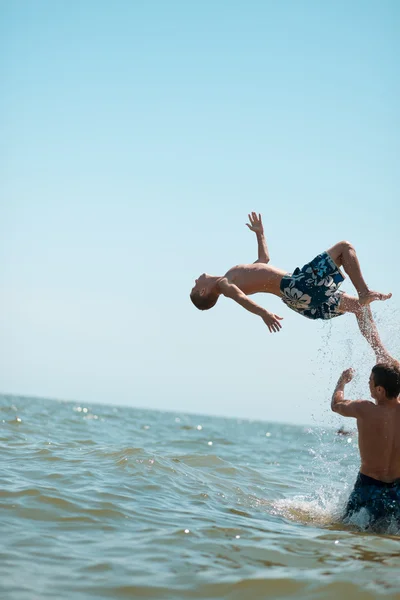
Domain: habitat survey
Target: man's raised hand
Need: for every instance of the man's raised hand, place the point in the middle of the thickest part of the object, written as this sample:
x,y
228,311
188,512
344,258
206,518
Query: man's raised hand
x,y
255,223
347,375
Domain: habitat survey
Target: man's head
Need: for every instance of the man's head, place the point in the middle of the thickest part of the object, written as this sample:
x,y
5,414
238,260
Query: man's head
x,y
384,381
204,293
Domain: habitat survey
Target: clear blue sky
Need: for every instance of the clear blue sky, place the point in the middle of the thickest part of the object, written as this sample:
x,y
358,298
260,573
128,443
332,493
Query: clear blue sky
x,y
136,137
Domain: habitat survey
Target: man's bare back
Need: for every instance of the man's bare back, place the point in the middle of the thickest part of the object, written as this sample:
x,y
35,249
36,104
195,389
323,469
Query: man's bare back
x,y
379,441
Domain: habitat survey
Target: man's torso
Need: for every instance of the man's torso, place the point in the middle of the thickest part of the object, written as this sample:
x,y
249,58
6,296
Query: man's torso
x,y
257,277
379,442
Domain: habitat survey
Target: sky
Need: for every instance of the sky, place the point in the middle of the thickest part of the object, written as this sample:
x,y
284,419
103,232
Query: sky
x,y
136,137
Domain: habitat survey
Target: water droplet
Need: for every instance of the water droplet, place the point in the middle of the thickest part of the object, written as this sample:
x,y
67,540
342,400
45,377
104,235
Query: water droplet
x,y
199,427
349,440
187,531
268,434
18,420
84,410
177,420
237,537
146,426
336,541
210,443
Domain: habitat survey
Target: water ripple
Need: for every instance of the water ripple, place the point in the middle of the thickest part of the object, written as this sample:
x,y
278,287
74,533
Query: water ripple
x,y
154,505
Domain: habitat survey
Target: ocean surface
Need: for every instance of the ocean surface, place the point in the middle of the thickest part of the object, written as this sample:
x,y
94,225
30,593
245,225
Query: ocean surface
x,y
107,502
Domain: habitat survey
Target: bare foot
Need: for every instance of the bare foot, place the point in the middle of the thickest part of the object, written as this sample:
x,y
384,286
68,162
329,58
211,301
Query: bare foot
x,y
369,297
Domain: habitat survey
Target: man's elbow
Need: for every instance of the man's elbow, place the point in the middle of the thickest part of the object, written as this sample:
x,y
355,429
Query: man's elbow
x,y
343,409
264,260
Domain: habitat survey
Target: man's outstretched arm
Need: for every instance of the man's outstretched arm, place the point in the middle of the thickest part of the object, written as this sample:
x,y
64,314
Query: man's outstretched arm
x,y
257,226
369,330
348,408
230,290
382,355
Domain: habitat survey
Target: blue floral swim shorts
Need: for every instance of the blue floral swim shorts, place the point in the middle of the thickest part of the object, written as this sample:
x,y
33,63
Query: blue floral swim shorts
x,y
312,291
381,500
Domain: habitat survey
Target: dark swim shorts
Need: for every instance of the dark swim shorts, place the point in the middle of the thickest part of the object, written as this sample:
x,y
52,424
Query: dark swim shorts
x,y
312,291
380,499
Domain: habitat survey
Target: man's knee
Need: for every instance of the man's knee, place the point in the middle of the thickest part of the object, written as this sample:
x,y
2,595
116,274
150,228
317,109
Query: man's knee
x,y
339,251
345,246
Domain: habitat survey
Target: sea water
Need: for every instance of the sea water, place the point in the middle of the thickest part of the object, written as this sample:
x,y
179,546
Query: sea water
x,y
101,501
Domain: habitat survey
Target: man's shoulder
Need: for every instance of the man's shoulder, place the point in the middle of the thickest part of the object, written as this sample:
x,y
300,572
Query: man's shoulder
x,y
367,404
366,409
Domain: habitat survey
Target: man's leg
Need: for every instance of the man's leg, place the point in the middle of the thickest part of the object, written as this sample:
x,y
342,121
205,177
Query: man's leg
x,y
366,324
345,255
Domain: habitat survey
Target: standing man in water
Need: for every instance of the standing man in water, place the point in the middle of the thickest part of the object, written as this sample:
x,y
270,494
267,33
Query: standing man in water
x,y
377,488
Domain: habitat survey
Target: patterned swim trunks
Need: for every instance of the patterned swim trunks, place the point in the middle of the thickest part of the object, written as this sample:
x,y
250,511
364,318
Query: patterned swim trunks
x,y
312,291
381,500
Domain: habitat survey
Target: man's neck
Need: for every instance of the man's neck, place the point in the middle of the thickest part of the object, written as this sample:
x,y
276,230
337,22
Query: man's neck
x,y
212,283
387,401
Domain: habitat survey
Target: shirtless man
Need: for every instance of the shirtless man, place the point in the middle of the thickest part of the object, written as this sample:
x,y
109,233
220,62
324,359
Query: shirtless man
x,y
377,488
311,291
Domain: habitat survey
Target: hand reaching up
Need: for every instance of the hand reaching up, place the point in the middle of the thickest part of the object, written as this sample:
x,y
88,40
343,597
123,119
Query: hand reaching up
x,y
347,375
255,223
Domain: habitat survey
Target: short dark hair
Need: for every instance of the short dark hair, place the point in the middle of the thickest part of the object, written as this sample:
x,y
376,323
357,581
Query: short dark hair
x,y
203,302
388,377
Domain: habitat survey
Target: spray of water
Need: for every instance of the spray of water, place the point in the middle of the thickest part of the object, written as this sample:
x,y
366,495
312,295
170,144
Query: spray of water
x,y
337,461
